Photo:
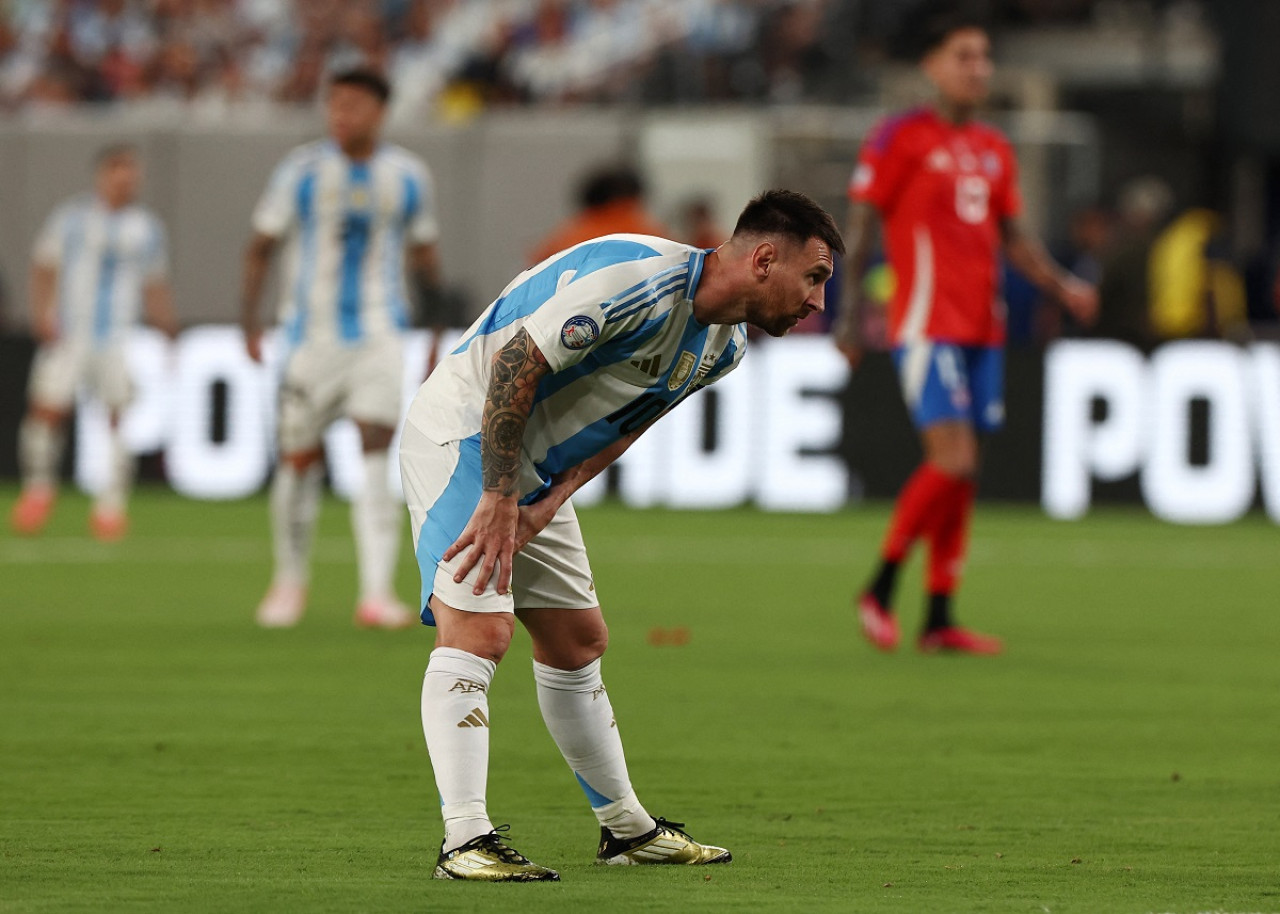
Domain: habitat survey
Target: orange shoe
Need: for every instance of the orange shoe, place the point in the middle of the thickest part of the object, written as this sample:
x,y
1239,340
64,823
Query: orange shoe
x,y
32,511
959,640
108,525
384,613
283,606
878,624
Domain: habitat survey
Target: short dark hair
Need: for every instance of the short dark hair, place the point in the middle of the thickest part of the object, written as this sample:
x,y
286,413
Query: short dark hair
x,y
938,28
366,78
791,214
109,154
613,182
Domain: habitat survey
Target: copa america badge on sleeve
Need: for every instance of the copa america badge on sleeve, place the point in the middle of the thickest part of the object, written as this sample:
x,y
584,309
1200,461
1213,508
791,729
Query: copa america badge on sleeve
x,y
579,332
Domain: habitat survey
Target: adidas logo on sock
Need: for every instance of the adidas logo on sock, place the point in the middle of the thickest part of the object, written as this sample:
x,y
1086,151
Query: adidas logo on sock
x,y
475,719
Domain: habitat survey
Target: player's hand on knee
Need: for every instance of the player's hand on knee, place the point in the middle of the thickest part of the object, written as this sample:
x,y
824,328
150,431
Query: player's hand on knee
x,y
533,520
490,542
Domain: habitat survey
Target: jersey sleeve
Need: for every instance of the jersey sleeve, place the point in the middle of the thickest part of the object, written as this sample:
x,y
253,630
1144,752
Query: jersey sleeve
x,y
277,208
1006,200
424,225
581,317
883,165
729,359
49,243
155,266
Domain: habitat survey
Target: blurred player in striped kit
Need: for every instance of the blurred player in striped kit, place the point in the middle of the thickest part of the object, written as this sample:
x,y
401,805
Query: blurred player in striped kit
x,y
351,212
99,265
945,186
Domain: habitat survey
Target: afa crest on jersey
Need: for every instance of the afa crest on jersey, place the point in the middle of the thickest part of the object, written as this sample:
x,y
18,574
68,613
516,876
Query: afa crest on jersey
x,y
579,332
684,368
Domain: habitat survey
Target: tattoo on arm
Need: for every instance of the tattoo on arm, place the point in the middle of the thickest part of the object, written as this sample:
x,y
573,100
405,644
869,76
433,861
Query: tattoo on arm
x,y
517,369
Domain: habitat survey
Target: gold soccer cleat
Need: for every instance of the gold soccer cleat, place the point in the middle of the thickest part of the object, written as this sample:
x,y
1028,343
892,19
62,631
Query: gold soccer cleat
x,y
668,843
490,859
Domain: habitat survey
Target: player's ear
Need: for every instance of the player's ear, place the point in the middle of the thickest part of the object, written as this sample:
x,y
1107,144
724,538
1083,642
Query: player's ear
x,y
763,258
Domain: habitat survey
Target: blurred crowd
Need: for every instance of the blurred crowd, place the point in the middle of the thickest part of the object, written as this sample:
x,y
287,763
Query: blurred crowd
x,y
443,56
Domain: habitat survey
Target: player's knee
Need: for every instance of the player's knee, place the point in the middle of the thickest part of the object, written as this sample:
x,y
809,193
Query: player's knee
x,y
961,464
487,635
594,643
375,437
573,647
301,461
49,415
588,644
953,451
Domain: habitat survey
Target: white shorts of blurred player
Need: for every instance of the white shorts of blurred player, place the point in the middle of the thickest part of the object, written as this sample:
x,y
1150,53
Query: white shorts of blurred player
x,y
442,485
63,367
323,382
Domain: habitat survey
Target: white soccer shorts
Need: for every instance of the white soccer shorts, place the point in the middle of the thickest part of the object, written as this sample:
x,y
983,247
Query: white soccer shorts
x,y
442,486
60,368
326,381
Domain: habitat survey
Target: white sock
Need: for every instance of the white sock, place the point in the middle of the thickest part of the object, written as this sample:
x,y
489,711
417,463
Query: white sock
x,y
295,503
40,452
455,722
120,478
375,519
577,711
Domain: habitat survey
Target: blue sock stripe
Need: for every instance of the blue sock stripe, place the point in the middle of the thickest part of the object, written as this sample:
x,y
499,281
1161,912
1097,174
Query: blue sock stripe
x,y
594,797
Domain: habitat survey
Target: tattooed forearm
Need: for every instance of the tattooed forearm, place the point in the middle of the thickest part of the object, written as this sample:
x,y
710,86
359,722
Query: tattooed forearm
x,y
517,369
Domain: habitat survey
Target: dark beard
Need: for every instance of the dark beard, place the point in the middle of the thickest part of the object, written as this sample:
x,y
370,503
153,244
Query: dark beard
x,y
777,327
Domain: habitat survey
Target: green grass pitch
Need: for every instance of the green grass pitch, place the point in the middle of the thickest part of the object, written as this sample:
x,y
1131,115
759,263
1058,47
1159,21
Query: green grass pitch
x,y
160,753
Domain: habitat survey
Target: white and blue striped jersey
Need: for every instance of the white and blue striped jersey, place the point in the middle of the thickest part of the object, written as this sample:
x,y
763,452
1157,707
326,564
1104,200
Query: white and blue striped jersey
x,y
347,225
104,258
614,318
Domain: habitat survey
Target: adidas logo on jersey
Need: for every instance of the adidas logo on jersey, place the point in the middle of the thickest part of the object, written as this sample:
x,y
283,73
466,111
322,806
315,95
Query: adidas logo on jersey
x,y
475,719
651,366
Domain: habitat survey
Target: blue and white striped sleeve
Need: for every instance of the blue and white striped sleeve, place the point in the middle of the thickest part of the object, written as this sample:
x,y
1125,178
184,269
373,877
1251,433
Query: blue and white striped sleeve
x,y
277,208
584,315
420,204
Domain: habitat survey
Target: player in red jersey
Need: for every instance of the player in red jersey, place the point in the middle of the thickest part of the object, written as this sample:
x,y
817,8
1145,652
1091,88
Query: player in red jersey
x,y
945,187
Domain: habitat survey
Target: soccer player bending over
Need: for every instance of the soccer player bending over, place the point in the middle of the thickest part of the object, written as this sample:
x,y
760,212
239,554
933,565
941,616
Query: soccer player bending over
x,y
578,356
351,209
99,265
945,186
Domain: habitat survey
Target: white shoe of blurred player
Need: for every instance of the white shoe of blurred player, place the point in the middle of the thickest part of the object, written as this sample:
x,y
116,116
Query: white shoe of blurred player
x,y
283,605
385,613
